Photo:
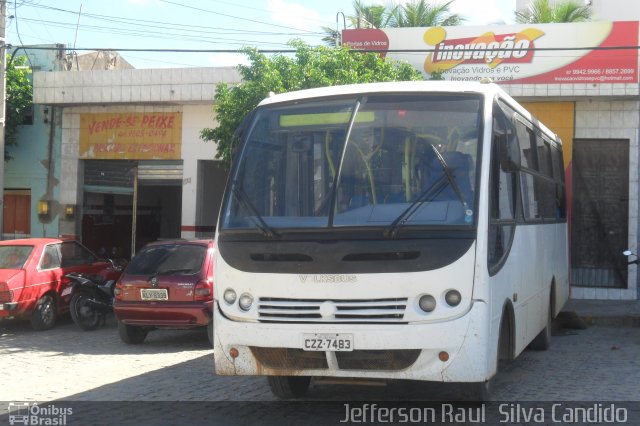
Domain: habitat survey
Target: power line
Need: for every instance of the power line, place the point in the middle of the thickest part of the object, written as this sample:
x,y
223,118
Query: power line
x,y
229,16
164,24
428,50
144,33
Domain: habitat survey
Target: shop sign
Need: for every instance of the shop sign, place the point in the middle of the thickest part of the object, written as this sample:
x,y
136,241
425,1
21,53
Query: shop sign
x,y
589,52
131,136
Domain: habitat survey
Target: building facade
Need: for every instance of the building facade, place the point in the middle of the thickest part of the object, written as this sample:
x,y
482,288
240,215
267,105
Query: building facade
x,y
119,159
581,80
116,156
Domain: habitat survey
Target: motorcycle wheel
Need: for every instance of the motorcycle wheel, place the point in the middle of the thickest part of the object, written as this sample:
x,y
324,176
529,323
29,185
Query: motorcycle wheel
x,y
83,314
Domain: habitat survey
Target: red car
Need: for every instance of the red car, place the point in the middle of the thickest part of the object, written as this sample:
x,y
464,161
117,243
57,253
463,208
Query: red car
x,y
168,284
32,279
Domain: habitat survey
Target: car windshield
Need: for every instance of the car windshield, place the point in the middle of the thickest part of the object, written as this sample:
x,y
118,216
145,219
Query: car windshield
x,y
14,257
169,259
359,162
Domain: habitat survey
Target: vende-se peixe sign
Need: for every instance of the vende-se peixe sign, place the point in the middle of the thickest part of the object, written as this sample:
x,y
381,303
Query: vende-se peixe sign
x,y
513,53
131,136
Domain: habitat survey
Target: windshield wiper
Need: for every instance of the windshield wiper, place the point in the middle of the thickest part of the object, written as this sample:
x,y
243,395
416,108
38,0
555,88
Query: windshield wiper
x,y
427,195
450,178
241,196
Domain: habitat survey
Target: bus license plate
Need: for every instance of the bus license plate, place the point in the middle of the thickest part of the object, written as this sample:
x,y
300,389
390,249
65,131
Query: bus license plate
x,y
327,342
154,294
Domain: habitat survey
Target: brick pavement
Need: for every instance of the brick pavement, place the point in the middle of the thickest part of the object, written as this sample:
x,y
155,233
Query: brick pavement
x,y
595,364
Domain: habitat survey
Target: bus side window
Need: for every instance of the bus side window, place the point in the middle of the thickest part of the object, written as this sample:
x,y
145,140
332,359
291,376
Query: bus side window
x,y
502,205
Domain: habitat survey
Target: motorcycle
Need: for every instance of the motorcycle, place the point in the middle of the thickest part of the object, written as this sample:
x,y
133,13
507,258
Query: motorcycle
x,y
91,299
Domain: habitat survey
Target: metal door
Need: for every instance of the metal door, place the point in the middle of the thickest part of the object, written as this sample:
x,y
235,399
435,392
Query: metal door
x,y
600,213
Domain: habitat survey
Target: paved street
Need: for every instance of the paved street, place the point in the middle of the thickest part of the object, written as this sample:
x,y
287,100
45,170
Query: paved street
x,y
597,364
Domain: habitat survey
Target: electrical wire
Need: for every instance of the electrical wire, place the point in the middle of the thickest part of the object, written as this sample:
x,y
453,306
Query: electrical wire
x,y
151,34
228,16
164,24
15,15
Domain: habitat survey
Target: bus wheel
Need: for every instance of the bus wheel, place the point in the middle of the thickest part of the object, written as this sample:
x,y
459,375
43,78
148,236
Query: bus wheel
x,y
288,387
542,341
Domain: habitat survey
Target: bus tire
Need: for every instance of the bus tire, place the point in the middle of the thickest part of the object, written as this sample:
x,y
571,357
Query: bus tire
x,y
542,341
289,387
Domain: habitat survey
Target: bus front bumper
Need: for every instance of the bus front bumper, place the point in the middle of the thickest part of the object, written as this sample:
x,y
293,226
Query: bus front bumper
x,y
381,351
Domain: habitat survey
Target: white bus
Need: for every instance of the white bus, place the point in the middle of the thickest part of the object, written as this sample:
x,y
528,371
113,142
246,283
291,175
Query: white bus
x,y
410,230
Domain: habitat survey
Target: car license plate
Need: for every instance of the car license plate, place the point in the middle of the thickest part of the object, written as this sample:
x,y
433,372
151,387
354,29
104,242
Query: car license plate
x,y
154,294
327,342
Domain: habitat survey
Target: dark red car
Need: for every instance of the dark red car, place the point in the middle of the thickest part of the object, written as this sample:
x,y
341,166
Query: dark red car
x,y
168,284
32,283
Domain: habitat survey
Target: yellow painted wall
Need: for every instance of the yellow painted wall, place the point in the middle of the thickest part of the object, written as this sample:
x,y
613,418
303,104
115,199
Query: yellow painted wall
x,y
559,117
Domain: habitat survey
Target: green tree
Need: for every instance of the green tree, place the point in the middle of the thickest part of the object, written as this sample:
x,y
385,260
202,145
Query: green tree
x,y
19,98
310,67
544,12
417,13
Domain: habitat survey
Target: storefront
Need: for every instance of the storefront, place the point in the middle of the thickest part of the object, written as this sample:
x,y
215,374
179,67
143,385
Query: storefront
x,y
581,80
133,168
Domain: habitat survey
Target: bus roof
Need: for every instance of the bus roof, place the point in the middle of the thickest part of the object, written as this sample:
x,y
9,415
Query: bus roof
x,y
389,87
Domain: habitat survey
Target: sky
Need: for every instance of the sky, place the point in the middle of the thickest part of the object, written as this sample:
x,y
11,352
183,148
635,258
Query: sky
x,y
226,25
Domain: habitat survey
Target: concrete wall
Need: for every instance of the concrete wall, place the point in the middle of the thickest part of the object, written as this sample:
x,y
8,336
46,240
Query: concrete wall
x,y
614,119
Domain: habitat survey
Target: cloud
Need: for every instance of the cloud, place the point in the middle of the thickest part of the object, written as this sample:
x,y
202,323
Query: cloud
x,y
491,11
292,14
227,59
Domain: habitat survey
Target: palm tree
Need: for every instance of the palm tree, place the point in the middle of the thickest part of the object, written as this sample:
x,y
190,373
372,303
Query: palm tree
x,y
418,13
543,12
421,13
374,16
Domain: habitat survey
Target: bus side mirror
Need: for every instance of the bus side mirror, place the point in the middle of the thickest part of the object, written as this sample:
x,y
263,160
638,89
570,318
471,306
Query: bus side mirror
x,y
509,153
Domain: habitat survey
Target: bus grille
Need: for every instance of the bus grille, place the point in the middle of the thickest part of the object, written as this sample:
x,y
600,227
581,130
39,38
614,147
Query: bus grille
x,y
297,359
377,359
391,310
289,359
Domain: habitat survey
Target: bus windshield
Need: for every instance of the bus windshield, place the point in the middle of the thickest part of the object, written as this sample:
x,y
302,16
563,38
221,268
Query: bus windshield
x,y
386,161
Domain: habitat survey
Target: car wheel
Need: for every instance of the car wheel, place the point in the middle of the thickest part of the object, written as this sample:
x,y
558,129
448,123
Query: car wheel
x,y
210,332
82,313
288,387
44,315
130,334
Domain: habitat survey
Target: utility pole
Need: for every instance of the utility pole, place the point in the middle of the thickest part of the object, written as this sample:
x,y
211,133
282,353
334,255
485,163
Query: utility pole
x,y
3,93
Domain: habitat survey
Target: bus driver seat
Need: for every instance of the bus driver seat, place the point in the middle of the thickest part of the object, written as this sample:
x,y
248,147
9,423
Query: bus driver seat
x,y
460,165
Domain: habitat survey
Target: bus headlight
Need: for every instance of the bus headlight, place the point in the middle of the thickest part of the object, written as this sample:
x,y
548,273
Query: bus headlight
x,y
427,303
229,296
245,301
453,297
